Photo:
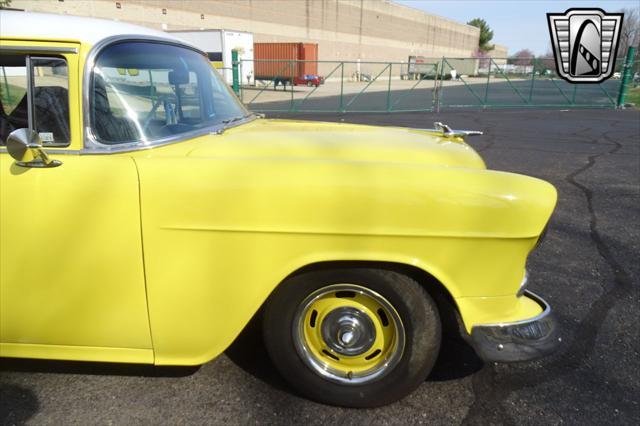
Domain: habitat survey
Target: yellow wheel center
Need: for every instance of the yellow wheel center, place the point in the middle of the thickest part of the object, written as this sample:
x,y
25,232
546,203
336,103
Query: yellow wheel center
x,y
349,333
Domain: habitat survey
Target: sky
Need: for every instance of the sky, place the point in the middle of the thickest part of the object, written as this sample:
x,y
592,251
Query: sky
x,y
515,24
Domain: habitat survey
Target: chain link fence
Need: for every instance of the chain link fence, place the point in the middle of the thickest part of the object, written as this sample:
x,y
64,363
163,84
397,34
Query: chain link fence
x,y
631,86
434,84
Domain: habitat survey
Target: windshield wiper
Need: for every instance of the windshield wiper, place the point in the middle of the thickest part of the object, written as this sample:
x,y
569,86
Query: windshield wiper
x,y
234,119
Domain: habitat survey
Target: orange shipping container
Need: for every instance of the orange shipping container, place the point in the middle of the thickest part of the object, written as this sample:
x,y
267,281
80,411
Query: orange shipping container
x,y
266,65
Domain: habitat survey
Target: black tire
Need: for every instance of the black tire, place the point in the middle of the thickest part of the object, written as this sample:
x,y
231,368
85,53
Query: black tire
x,y
420,321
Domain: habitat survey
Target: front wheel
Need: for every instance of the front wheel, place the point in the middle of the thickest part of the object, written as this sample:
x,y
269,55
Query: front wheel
x,y
352,337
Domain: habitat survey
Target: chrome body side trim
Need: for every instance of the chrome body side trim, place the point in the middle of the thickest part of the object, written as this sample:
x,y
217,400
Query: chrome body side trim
x,y
37,49
91,144
519,340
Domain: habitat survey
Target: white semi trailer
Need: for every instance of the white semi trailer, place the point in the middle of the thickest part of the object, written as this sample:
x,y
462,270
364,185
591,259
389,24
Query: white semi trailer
x,y
218,44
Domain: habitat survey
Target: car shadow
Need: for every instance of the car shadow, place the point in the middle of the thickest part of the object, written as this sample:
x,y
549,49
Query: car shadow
x,y
17,404
456,359
249,353
93,368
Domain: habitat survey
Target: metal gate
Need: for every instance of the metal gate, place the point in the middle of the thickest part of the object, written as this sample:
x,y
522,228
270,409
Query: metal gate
x,y
439,84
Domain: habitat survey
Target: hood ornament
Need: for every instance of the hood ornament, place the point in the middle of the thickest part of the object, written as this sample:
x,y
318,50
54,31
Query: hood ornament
x,y
447,132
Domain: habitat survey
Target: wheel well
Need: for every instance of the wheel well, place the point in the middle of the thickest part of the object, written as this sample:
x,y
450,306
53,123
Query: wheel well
x,y
449,314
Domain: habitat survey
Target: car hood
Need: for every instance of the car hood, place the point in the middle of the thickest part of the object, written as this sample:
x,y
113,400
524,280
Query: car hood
x,y
287,139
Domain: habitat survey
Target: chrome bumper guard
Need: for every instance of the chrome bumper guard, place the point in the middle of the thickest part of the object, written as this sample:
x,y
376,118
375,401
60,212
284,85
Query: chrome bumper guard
x,y
518,341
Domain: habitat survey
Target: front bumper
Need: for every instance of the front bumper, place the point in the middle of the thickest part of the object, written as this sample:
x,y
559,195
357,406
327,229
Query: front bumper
x,y
518,341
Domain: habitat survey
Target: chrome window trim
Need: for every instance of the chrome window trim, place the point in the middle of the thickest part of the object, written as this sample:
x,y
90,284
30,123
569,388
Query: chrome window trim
x,y
38,49
91,145
30,107
31,84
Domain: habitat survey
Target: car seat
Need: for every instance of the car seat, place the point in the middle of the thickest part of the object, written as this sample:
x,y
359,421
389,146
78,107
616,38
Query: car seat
x,y
109,128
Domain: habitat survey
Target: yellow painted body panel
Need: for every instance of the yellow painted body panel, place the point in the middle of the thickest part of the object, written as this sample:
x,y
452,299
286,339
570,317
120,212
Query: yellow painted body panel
x,y
71,268
185,242
497,310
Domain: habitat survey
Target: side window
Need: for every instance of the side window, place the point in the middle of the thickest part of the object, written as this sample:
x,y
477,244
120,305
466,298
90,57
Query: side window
x,y
49,106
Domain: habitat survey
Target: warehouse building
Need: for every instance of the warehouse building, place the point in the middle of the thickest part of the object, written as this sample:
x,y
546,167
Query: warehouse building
x,y
345,30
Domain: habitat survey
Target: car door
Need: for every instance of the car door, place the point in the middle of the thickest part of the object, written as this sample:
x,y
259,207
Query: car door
x,y
71,267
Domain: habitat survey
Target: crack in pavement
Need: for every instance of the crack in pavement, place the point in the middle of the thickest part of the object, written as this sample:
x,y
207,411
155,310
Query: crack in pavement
x,y
489,394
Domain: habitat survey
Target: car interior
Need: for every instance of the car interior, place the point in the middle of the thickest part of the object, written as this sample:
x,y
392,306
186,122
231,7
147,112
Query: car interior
x,y
106,125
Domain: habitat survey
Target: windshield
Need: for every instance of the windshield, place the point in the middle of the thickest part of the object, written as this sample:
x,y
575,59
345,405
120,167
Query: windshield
x,y
143,92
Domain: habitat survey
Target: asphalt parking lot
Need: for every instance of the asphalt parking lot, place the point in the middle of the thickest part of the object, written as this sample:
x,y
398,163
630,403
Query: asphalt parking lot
x,y
587,269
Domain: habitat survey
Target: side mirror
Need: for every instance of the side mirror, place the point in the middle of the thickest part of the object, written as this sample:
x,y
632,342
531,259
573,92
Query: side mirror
x,y
25,147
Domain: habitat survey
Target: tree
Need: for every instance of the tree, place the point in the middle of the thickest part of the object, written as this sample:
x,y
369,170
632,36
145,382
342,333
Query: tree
x,y
486,33
5,3
630,31
522,57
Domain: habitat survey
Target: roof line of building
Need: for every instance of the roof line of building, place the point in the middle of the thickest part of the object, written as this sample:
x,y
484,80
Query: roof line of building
x,y
430,14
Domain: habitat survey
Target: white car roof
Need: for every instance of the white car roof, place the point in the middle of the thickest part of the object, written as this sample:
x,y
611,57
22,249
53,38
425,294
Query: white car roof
x,y
50,26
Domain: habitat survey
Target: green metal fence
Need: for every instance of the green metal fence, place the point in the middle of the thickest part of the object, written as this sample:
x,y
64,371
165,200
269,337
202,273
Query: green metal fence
x,y
630,81
436,84
347,87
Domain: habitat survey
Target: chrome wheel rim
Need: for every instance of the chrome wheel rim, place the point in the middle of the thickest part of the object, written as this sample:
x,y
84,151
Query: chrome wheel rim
x,y
348,334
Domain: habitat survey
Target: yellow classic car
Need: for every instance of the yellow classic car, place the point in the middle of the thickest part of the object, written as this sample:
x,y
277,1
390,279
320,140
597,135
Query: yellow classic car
x,y
146,217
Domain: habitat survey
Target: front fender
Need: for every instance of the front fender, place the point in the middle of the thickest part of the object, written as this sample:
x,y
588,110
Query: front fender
x,y
219,235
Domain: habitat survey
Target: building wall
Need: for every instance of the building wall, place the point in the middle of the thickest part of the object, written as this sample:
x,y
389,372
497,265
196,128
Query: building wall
x,y
346,30
499,53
